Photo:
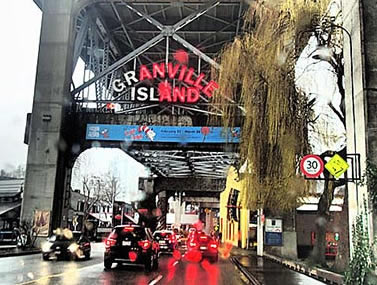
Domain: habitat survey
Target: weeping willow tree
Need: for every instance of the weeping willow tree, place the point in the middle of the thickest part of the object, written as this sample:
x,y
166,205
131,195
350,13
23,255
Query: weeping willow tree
x,y
258,73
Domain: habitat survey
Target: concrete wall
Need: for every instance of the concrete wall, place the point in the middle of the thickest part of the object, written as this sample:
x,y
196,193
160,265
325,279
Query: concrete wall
x,y
306,224
51,99
359,18
289,248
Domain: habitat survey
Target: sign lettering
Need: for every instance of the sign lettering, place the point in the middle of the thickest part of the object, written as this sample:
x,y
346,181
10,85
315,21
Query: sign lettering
x,y
189,93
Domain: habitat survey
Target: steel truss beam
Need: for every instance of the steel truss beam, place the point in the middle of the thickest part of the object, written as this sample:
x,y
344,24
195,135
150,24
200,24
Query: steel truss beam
x,y
79,42
185,164
120,62
165,31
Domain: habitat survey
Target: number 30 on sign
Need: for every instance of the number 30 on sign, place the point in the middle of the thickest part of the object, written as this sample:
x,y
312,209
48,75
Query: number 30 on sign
x,y
311,166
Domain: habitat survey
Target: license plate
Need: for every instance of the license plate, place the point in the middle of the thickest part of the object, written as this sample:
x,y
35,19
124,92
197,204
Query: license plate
x,y
162,242
58,252
203,247
126,243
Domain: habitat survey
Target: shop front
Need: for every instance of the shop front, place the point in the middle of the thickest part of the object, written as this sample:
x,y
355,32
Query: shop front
x,y
234,216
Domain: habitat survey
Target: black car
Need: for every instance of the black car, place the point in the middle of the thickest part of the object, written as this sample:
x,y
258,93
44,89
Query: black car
x,y
131,244
75,246
167,240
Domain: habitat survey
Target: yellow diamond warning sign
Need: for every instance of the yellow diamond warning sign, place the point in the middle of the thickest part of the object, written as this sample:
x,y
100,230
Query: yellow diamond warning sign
x,y
337,165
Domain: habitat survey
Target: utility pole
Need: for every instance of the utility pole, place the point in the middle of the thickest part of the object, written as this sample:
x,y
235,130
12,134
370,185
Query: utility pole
x,y
178,214
112,205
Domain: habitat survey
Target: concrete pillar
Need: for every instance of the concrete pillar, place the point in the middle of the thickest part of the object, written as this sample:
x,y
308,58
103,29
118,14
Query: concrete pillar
x,y
44,181
359,19
209,221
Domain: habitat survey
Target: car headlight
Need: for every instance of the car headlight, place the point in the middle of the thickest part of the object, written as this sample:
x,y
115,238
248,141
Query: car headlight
x,y
46,246
73,247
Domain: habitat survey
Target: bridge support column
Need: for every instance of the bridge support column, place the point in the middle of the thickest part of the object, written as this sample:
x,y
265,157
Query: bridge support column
x,y
46,161
163,206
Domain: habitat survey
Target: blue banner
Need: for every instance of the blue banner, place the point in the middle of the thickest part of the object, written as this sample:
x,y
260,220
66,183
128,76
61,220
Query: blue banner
x,y
144,133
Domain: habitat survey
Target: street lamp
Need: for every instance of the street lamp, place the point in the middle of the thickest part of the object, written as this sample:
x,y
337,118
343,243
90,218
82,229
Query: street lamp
x,y
331,24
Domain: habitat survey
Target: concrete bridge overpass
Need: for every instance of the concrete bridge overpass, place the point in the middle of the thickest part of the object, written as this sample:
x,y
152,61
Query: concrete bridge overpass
x,y
133,51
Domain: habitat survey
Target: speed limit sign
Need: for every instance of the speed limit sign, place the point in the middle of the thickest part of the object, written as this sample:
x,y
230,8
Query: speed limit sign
x,y
311,166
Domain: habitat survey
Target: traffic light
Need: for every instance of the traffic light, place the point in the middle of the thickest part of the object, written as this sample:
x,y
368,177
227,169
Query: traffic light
x,y
336,236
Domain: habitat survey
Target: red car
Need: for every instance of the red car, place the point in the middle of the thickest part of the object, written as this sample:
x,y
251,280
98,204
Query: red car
x,y
205,244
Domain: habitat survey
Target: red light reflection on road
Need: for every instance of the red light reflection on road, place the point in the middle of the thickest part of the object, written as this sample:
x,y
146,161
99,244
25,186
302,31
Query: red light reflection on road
x,y
191,274
225,249
212,272
193,255
177,255
171,269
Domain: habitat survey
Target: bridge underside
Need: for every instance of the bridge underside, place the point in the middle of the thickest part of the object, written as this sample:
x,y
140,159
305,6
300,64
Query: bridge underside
x,y
114,37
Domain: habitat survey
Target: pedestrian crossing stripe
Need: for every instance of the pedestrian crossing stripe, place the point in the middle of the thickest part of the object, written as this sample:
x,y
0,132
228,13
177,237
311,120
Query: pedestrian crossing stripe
x,y
337,166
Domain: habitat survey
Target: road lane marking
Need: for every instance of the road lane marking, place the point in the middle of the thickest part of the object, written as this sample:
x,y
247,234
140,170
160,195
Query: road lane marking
x,y
56,275
156,280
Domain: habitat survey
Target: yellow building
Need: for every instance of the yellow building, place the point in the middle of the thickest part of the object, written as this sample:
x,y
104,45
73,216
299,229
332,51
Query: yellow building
x,y
234,217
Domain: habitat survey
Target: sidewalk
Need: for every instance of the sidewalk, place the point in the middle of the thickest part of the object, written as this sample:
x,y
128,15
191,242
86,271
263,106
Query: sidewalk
x,y
12,250
274,270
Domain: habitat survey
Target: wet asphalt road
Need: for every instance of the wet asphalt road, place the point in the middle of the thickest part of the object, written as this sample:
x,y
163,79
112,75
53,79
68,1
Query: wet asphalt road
x,y
31,269
271,273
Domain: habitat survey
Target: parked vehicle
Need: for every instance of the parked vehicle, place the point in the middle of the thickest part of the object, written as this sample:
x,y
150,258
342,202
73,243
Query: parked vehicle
x,y
76,246
167,240
208,246
131,244
8,236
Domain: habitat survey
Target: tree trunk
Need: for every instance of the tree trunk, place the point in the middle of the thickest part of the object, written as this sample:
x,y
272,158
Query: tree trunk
x,y
321,222
342,258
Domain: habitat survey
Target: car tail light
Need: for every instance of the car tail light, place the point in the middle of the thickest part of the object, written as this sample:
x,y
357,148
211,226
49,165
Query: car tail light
x,y
128,229
145,244
203,238
213,245
111,240
87,244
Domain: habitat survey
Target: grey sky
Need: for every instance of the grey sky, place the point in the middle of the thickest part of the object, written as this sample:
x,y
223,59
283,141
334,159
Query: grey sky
x,y
20,22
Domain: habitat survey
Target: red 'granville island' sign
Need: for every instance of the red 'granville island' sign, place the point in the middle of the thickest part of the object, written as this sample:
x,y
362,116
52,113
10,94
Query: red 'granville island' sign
x,y
166,93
